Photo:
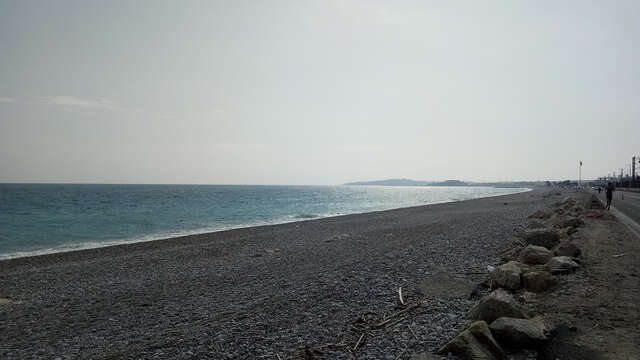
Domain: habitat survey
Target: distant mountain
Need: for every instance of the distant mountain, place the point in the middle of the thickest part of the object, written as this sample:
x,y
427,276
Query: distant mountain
x,y
409,182
451,183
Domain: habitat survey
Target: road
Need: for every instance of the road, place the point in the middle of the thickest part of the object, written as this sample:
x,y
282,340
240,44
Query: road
x,y
629,206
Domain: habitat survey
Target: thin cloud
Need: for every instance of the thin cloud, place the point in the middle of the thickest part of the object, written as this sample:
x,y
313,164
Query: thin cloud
x,y
82,103
4,99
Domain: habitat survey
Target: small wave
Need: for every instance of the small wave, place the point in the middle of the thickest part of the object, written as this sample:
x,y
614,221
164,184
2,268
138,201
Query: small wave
x,y
219,227
306,216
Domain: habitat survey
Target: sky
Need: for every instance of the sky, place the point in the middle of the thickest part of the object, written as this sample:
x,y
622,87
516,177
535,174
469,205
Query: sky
x,y
316,92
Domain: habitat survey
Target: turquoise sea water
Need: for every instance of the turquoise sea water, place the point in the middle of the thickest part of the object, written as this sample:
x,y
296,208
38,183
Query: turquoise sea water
x,y
45,218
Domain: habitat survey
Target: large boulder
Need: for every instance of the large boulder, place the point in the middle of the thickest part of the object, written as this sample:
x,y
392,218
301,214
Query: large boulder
x,y
476,342
562,264
533,255
563,234
540,215
565,222
536,224
507,276
539,267
518,333
566,202
445,286
542,237
496,305
566,248
538,281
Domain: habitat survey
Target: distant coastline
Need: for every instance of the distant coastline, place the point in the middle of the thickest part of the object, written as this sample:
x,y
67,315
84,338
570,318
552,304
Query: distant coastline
x,y
409,182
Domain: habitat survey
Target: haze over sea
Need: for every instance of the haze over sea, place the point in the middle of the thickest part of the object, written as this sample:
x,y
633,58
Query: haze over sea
x,y
45,218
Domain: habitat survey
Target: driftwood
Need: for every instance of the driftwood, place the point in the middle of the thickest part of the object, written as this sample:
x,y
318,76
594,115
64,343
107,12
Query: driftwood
x,y
358,343
366,326
398,313
412,332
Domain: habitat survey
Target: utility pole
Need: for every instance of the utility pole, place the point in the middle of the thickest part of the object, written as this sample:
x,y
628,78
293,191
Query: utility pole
x,y
633,168
580,175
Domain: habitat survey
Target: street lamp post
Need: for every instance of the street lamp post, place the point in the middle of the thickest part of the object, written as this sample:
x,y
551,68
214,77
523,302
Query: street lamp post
x,y
580,175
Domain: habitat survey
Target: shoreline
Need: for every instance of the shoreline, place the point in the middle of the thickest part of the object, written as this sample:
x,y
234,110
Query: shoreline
x,y
153,238
262,291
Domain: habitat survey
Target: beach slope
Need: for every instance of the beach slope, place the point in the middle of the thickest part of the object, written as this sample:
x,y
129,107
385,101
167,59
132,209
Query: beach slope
x,y
259,292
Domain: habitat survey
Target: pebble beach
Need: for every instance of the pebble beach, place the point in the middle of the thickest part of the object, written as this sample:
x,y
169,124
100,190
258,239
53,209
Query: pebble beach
x,y
282,291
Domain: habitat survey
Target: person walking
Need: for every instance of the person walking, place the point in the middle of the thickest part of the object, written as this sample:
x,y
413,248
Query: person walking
x,y
609,192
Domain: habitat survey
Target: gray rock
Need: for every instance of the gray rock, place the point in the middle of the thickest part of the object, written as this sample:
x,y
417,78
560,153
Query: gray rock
x,y
563,234
564,222
567,248
524,267
518,333
540,215
538,281
542,237
562,264
539,267
533,255
445,286
536,224
496,305
476,342
507,276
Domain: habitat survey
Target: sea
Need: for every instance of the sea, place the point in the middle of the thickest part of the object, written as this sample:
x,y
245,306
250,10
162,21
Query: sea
x,y
47,218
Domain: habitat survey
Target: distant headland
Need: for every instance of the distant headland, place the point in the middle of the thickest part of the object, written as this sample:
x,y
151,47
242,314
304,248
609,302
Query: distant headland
x,y
409,182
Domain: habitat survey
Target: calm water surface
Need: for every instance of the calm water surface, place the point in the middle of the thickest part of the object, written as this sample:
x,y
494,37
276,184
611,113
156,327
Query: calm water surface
x,y
45,218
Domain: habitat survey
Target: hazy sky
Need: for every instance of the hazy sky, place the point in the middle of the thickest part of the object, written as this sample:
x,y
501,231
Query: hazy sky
x,y
316,92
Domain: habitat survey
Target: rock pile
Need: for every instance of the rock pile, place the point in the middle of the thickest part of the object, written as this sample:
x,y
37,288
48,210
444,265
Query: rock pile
x,y
500,321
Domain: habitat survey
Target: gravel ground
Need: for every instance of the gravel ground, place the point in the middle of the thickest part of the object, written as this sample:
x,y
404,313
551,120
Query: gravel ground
x,y
259,292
